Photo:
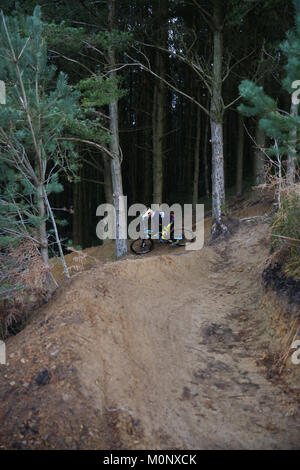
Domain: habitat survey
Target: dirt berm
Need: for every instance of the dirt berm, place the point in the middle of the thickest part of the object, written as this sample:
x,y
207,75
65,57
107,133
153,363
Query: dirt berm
x,y
161,352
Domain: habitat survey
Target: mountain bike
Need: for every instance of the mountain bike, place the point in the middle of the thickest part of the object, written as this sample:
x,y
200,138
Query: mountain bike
x,y
166,234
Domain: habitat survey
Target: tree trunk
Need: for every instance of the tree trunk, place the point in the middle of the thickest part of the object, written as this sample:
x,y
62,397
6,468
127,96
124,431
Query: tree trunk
x,y
205,157
216,125
108,191
117,185
61,253
240,156
189,159
158,124
159,104
197,160
147,185
291,161
43,239
146,180
259,157
86,200
217,171
77,217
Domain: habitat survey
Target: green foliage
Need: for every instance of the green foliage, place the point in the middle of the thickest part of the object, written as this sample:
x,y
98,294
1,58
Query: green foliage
x,y
291,51
39,103
87,125
51,101
99,91
117,40
80,48
276,124
64,38
41,112
279,126
296,6
259,102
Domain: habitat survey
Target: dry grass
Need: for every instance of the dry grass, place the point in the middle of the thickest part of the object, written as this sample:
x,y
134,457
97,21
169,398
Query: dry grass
x,y
286,229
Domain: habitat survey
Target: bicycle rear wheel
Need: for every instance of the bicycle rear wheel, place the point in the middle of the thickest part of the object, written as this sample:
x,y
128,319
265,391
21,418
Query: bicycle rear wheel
x,y
141,246
184,238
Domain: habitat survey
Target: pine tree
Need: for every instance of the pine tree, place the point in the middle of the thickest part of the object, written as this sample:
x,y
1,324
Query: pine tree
x,y
38,107
282,128
291,50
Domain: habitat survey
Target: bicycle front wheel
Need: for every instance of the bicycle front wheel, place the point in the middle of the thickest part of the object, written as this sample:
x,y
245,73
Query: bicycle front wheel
x,y
141,246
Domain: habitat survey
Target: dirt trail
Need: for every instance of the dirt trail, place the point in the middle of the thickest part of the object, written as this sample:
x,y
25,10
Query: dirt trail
x,y
152,353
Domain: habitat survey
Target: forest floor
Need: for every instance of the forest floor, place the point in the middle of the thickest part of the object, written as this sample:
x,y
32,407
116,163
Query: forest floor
x,y
154,352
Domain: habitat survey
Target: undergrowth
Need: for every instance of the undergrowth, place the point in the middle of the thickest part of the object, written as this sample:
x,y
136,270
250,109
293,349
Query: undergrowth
x,y
286,230
24,285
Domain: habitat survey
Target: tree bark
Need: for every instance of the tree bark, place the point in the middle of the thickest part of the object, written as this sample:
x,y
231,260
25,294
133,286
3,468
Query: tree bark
x,y
216,125
61,253
108,191
117,184
190,154
291,160
158,132
259,157
159,105
197,160
205,156
43,239
77,218
240,156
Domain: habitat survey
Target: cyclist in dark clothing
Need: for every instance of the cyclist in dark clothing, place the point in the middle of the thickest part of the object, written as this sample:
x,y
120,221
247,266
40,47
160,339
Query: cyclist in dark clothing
x,y
161,215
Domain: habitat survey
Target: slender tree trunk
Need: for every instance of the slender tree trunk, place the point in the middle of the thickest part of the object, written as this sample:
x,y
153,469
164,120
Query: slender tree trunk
x,y
291,161
57,236
159,104
146,179
117,185
86,201
217,170
197,160
43,239
158,123
259,157
77,218
240,156
190,156
216,125
147,185
108,191
42,229
205,156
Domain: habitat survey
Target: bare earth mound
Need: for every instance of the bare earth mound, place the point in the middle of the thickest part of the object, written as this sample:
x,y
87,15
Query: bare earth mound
x,y
153,353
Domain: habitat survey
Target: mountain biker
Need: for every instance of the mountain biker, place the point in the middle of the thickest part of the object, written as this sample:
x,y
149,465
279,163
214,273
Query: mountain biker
x,y
149,213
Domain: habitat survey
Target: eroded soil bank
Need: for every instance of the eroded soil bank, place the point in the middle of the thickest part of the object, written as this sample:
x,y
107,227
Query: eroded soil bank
x,y
158,352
